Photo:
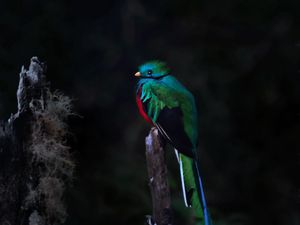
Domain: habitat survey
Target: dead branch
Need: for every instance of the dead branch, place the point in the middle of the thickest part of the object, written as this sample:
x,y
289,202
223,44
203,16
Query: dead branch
x,y
158,182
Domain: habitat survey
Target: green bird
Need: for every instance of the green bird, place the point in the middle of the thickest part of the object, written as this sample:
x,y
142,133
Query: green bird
x,y
166,104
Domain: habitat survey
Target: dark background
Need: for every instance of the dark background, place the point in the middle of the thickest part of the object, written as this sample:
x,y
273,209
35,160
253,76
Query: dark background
x,y
239,58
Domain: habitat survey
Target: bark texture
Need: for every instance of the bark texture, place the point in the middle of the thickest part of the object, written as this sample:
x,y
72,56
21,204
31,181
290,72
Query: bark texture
x,y
35,163
158,181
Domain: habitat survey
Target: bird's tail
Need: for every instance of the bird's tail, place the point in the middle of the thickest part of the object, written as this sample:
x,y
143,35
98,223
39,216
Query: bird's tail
x,y
192,188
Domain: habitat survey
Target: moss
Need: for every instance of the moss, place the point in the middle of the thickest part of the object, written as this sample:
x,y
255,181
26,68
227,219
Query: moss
x,y
51,155
36,219
52,189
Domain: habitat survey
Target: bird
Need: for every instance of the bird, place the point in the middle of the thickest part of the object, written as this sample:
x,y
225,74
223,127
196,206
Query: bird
x,y
170,107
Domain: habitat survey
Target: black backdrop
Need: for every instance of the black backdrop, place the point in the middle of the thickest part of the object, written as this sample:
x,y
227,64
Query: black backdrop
x,y
239,58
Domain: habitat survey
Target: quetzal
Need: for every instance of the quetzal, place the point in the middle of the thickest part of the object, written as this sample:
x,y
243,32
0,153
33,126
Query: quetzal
x,y
166,104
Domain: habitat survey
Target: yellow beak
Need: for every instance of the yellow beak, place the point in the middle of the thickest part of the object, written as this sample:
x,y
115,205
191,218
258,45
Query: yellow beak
x,y
138,74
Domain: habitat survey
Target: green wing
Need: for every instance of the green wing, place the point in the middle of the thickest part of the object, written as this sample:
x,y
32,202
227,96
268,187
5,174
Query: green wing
x,y
158,97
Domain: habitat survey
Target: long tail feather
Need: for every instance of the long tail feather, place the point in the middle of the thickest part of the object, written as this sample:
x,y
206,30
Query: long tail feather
x,y
202,196
192,187
184,191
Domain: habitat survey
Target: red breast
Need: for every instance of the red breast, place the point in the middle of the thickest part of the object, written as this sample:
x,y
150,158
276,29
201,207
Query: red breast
x,y
141,107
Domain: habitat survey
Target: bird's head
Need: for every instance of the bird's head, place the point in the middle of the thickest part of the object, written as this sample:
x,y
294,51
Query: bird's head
x,y
153,70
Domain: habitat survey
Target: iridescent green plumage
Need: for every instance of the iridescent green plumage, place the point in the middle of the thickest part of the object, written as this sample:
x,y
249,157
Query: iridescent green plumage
x,y
171,108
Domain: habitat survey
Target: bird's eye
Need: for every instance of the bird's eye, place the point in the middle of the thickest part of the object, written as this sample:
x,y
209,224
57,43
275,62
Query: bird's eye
x,y
149,72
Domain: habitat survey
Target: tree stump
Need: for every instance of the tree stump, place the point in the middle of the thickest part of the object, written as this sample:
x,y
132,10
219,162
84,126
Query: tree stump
x,y
158,181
